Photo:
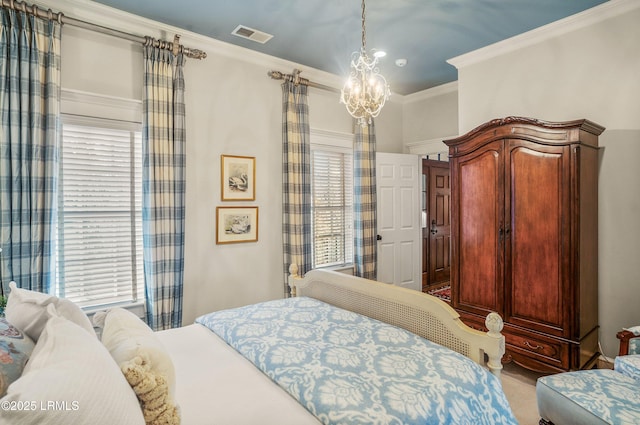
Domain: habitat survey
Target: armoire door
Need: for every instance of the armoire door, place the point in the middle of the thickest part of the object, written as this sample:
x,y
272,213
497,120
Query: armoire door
x,y
478,229
538,194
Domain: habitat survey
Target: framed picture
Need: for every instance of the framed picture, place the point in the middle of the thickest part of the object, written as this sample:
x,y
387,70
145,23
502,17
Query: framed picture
x,y
236,224
238,177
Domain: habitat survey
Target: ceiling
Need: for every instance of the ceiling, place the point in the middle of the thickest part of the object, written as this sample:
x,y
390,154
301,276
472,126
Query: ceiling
x,y
322,34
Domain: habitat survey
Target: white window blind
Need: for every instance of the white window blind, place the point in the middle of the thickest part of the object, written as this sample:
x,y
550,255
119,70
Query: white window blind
x,y
332,206
100,212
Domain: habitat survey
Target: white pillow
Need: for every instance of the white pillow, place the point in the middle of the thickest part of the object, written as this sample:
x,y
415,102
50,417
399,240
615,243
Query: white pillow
x,y
127,337
27,311
70,379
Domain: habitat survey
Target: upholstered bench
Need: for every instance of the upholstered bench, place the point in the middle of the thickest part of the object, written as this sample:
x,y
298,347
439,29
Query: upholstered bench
x,y
586,397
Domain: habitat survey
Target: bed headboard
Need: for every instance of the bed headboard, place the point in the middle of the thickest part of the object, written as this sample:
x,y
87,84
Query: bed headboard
x,y
420,313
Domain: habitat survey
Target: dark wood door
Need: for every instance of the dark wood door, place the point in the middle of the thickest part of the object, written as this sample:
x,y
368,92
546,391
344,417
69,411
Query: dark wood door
x,y
436,224
439,223
538,195
478,229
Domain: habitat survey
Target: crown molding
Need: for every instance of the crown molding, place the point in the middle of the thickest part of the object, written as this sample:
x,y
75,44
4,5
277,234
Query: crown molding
x,y
100,14
110,17
595,15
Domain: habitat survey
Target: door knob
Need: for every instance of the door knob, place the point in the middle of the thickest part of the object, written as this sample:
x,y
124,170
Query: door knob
x,y
378,237
433,227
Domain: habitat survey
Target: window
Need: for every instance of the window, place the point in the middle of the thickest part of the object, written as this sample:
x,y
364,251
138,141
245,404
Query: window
x,y
332,203
99,244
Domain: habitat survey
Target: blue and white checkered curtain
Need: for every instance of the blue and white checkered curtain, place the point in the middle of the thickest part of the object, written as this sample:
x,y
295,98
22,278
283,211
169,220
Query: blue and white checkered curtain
x,y
296,179
163,186
365,203
29,147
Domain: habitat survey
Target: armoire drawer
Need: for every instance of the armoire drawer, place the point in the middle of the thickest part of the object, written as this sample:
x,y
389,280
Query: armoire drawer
x,y
522,345
540,348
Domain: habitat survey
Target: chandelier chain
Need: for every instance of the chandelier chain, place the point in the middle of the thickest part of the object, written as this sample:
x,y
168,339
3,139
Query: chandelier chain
x,y
364,31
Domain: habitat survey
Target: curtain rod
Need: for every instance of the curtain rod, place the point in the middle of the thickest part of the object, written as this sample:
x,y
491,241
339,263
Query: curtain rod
x,y
39,12
296,79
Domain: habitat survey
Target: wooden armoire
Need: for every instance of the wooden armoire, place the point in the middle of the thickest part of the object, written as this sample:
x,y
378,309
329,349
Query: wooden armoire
x,y
524,217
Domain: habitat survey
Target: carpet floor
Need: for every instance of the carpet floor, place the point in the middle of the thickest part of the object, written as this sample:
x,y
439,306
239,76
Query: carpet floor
x,y
443,293
519,385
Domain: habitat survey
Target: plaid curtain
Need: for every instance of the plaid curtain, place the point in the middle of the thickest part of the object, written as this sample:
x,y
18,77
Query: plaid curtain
x,y
163,186
29,147
364,200
296,179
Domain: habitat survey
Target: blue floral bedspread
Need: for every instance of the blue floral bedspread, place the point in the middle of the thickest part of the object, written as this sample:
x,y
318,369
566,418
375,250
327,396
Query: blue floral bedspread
x,y
349,369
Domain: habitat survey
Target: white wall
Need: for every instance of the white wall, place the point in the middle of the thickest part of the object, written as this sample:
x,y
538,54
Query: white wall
x,y
590,72
233,107
428,118
431,114
389,129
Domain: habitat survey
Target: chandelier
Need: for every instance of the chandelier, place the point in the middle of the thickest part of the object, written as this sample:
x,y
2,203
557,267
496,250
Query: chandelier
x,y
366,90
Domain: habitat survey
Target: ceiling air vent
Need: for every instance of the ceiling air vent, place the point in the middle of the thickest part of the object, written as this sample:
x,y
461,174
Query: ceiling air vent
x,y
251,34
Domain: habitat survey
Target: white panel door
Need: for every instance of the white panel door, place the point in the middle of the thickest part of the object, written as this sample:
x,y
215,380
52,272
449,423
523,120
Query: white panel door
x,y
399,245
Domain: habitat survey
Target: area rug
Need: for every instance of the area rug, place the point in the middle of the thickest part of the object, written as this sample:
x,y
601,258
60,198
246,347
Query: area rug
x,y
443,293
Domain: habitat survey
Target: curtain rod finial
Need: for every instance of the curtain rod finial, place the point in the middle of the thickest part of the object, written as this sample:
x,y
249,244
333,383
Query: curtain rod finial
x,y
176,45
275,75
296,76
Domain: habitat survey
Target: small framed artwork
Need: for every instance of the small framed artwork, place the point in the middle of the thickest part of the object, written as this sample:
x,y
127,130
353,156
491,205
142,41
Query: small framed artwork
x,y
238,177
236,224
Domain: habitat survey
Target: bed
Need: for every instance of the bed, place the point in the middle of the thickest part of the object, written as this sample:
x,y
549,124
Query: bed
x,y
249,395
250,365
